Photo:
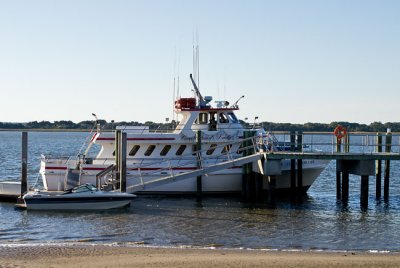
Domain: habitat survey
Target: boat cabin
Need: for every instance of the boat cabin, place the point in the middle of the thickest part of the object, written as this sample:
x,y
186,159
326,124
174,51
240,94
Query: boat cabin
x,y
206,118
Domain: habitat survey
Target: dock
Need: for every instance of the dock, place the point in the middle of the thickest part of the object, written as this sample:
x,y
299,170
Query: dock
x,y
363,158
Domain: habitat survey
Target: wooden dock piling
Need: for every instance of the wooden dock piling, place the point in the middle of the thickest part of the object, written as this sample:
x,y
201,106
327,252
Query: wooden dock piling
x,y
378,165
20,204
259,187
249,188
292,163
339,195
347,143
117,155
122,161
24,162
272,191
245,170
299,162
117,147
199,182
345,188
388,144
364,191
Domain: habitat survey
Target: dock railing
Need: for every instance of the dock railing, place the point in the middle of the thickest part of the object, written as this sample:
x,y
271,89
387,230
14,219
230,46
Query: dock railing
x,y
353,142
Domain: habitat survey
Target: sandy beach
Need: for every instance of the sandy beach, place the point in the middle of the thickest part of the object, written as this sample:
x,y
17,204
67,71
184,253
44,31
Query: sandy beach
x,y
104,256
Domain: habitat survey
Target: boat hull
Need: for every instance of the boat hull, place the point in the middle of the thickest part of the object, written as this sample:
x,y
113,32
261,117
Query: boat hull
x,y
222,182
54,202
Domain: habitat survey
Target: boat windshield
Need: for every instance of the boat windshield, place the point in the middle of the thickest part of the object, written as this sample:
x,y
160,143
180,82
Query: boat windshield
x,y
83,188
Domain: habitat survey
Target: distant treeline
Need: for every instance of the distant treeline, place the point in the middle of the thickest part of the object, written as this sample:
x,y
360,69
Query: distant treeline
x,y
269,126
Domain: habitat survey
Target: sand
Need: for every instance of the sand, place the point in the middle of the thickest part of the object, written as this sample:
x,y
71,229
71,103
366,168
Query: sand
x,y
104,256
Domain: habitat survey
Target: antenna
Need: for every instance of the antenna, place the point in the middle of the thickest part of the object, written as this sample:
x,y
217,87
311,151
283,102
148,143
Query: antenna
x,y
173,100
173,92
179,67
196,59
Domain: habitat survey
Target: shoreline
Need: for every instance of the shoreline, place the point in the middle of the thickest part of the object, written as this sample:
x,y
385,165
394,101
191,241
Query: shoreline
x,y
124,256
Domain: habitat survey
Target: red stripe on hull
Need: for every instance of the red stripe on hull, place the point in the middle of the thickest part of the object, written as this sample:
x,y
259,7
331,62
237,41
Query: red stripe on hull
x,y
138,139
58,168
158,168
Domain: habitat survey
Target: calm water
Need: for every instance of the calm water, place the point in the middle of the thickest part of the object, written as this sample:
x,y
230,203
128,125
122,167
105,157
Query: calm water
x,y
318,222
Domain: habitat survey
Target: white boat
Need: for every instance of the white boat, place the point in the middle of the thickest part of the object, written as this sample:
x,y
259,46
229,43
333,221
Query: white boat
x,y
153,154
10,189
82,197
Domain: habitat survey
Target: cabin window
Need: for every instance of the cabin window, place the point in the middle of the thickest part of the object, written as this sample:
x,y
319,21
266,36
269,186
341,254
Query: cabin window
x,y
226,149
134,150
203,118
213,122
165,150
223,119
211,150
180,150
232,117
149,150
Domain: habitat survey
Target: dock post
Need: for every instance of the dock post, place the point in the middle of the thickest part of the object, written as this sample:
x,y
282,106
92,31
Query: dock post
x,y
251,175
199,182
299,162
122,161
378,171
24,166
117,147
248,177
271,191
347,143
117,154
364,191
345,188
388,144
259,187
245,178
339,193
292,163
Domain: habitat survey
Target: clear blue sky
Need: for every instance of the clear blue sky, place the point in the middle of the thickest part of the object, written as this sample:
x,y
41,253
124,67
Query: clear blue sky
x,y
295,61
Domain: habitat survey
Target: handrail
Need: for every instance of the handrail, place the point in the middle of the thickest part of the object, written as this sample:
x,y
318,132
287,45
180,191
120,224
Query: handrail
x,y
102,173
204,162
359,142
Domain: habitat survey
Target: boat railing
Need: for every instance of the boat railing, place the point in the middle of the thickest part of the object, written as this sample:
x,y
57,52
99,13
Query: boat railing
x,y
200,161
63,160
165,129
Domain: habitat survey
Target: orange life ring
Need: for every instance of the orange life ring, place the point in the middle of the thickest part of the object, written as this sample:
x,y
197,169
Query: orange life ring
x,y
340,131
